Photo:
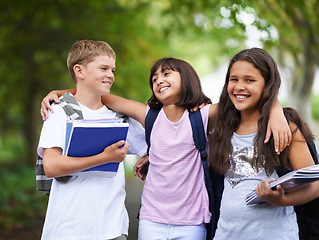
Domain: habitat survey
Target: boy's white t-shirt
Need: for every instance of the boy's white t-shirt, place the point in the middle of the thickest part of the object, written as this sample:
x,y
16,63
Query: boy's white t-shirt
x,y
86,207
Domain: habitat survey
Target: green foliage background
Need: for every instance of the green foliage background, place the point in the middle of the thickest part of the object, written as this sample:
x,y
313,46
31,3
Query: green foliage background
x,y
35,37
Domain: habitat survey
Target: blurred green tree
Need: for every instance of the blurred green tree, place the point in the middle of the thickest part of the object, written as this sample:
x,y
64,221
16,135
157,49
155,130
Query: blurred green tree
x,y
35,39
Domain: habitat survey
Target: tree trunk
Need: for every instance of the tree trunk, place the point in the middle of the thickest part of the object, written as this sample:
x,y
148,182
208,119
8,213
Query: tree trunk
x,y
33,118
32,111
301,86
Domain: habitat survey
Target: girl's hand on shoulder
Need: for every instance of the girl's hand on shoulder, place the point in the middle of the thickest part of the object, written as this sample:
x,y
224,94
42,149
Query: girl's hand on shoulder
x,y
141,167
281,132
266,194
45,104
194,109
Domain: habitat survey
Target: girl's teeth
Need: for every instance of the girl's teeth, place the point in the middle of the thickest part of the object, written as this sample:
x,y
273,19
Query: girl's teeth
x,y
162,89
240,96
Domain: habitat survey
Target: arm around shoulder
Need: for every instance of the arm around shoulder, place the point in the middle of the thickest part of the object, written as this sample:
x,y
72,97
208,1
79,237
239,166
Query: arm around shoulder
x,y
52,96
128,107
278,127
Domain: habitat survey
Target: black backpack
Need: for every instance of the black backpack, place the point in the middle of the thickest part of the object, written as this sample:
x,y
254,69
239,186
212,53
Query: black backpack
x,y
308,213
214,182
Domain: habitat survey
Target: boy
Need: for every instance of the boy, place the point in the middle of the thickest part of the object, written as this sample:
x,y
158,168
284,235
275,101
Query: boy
x,y
86,207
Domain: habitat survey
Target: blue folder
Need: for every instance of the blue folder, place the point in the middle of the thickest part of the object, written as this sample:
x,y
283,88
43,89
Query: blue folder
x,y
84,141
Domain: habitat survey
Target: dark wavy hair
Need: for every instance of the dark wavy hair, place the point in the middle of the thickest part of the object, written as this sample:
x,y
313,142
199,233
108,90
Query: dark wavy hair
x,y
227,119
191,89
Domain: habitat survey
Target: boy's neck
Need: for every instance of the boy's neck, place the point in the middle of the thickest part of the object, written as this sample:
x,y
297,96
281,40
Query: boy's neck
x,y
88,99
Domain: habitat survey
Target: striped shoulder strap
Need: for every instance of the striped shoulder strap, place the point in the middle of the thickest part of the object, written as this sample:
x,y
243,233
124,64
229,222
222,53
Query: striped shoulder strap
x,y
70,106
73,110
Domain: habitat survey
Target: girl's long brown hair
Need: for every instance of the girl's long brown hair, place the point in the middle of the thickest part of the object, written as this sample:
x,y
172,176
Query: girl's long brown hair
x,y
227,119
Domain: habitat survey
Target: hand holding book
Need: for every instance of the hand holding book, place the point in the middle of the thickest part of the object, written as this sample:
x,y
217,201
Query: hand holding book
x,y
285,184
105,138
271,195
115,152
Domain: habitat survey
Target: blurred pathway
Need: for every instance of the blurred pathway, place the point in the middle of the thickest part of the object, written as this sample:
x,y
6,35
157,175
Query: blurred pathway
x,y
134,187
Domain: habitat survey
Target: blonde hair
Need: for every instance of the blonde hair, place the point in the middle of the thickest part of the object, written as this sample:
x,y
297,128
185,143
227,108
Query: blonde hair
x,y
84,51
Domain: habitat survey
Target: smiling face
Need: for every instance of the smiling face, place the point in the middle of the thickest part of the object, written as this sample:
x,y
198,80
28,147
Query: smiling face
x,y
245,86
166,85
98,75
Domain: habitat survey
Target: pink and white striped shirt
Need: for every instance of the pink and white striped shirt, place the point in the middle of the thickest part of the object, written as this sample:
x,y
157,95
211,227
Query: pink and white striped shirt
x,y
174,190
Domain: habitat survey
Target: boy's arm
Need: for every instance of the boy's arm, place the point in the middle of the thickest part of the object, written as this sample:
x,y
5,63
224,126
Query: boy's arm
x,y
128,107
56,165
53,96
278,127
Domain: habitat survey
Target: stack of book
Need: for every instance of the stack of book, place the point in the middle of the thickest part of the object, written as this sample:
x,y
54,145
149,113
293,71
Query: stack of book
x,y
289,182
86,138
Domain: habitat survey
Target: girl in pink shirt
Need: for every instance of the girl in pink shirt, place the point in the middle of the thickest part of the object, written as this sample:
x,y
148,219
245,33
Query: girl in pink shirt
x,y
174,202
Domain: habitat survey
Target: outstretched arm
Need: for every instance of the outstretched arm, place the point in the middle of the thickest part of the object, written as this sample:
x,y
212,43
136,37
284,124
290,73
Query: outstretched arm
x,y
128,107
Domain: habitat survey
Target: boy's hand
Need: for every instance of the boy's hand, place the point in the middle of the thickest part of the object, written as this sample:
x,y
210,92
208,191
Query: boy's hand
x,y
141,167
266,194
115,152
45,104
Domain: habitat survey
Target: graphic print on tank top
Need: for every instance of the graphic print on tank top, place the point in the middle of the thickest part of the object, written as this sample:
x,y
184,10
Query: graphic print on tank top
x,y
240,165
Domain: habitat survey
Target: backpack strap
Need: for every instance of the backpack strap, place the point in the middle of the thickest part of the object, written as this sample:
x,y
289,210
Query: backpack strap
x,y
73,110
200,143
70,106
149,122
198,133
312,148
